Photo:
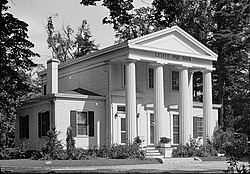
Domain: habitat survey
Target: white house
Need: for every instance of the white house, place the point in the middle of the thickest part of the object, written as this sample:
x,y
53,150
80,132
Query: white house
x,y
142,87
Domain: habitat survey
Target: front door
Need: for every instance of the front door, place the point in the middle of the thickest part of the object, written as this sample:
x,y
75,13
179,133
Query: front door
x,y
121,124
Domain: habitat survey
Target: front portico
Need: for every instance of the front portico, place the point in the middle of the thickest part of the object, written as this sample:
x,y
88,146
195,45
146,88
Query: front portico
x,y
171,47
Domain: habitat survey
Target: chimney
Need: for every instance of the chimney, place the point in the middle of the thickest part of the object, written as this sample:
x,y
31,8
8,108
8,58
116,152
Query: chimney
x,y
52,76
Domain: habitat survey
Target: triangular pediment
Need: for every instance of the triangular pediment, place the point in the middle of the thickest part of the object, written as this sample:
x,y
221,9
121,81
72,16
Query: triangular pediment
x,y
175,40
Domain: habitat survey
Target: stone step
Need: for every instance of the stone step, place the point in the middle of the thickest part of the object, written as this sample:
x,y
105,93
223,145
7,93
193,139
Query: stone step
x,y
153,154
157,156
152,150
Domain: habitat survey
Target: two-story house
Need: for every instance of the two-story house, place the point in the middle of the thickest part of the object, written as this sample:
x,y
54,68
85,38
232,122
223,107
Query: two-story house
x,y
143,87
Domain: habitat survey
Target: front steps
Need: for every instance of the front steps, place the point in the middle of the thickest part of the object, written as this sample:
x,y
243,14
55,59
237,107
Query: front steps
x,y
153,152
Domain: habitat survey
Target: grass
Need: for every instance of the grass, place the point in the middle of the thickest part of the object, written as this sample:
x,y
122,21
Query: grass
x,y
213,158
65,163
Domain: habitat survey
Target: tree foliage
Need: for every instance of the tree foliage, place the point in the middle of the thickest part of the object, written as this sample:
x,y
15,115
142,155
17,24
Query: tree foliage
x,y
15,61
83,42
64,47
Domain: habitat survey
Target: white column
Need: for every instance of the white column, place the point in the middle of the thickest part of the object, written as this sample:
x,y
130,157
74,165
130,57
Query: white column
x,y
130,101
184,106
158,102
207,105
190,107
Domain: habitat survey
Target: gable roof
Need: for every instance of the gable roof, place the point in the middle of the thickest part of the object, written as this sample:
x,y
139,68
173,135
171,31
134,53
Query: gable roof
x,y
173,40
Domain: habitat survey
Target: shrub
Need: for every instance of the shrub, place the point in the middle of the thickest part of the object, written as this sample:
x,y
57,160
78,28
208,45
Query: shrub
x,y
194,148
137,140
70,143
53,149
231,143
165,140
12,153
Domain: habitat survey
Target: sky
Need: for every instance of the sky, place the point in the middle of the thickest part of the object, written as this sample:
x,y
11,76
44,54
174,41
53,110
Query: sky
x,y
70,12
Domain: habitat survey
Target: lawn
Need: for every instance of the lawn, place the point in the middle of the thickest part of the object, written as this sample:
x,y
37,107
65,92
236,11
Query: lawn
x,y
65,163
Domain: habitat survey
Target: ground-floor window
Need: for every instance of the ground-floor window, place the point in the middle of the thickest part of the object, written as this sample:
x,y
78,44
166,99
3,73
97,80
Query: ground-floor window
x,y
176,129
82,123
43,123
197,127
24,127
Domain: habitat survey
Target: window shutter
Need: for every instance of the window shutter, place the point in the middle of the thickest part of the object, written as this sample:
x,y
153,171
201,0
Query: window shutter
x,y
27,126
20,127
73,122
91,123
39,124
195,127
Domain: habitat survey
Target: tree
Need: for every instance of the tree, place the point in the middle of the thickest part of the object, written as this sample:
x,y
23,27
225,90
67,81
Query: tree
x,y
63,46
15,53
60,43
70,143
83,43
230,41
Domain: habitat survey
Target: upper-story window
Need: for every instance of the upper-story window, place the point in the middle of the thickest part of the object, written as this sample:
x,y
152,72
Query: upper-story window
x,y
123,75
151,78
44,89
175,80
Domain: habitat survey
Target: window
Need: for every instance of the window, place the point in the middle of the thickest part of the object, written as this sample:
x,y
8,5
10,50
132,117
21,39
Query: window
x,y
152,128
123,130
24,127
151,78
44,89
175,80
82,123
197,127
121,109
123,75
176,129
43,123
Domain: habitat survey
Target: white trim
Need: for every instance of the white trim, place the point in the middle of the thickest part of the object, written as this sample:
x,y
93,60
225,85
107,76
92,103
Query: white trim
x,y
198,56
169,30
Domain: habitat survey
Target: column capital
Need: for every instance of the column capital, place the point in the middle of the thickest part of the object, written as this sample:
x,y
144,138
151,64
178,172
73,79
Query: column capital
x,y
156,64
181,68
127,61
207,69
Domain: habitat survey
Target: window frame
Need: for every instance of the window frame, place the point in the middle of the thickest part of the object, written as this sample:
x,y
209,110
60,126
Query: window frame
x,y
175,82
85,124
